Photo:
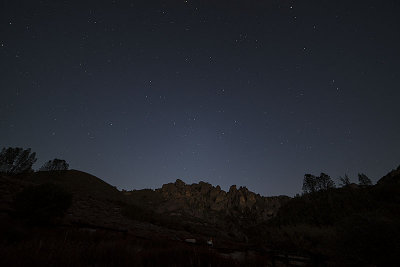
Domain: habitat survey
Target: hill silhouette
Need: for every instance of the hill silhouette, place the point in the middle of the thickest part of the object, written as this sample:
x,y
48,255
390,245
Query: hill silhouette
x,y
339,226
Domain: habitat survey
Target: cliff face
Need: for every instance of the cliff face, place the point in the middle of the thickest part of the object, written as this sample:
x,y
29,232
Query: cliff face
x,y
203,200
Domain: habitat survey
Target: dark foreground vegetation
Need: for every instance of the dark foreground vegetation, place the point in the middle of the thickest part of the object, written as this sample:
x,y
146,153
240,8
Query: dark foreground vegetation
x,y
352,225
82,247
57,217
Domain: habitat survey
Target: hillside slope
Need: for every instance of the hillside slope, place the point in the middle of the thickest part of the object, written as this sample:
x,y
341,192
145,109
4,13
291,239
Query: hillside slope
x,y
352,225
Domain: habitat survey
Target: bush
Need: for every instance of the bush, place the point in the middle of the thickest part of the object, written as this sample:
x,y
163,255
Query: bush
x,y
41,204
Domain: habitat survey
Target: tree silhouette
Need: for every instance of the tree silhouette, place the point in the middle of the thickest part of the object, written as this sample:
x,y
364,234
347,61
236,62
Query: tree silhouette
x,y
345,180
363,180
55,165
324,182
313,183
14,160
309,183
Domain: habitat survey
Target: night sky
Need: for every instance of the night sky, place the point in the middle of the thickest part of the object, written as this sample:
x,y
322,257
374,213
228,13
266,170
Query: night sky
x,y
252,93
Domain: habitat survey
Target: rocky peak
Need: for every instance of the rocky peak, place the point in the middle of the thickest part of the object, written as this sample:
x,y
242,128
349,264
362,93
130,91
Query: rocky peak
x,y
232,188
202,198
179,183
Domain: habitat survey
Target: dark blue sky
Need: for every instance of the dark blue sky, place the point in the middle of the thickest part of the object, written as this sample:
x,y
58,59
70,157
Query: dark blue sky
x,y
253,93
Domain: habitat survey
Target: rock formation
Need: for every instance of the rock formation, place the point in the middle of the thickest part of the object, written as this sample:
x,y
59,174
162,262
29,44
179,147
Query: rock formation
x,y
203,201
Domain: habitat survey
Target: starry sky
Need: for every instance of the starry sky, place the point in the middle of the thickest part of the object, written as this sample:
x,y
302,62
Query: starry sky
x,y
252,93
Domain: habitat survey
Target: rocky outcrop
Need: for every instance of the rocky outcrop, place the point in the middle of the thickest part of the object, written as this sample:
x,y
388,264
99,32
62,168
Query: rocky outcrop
x,y
203,200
